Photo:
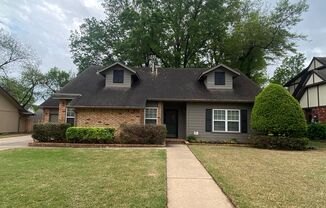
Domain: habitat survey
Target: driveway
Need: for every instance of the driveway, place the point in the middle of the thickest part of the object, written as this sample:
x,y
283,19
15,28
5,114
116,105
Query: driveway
x,y
15,142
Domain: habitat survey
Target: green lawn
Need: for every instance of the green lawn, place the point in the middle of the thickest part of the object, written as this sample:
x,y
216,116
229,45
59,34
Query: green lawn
x,y
83,178
268,178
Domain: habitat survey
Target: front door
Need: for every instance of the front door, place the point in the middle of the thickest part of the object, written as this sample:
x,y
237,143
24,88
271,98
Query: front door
x,y
171,122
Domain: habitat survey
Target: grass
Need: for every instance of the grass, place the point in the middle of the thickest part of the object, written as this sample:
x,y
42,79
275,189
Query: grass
x,y
83,178
268,178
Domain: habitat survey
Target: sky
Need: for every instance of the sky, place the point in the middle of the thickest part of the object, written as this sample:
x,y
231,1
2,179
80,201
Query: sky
x,y
45,26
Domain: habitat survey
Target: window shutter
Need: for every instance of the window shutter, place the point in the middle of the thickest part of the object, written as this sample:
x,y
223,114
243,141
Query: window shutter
x,y
244,121
208,119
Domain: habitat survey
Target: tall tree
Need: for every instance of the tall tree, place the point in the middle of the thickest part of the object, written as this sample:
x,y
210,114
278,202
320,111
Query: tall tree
x,y
290,67
55,79
13,53
189,33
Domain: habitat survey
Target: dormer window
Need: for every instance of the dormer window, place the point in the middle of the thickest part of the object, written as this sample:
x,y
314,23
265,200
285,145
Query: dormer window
x,y
117,76
219,78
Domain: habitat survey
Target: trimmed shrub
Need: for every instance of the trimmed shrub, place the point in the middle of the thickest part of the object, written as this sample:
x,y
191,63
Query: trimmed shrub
x,y
191,138
277,142
90,135
279,113
50,132
317,131
142,134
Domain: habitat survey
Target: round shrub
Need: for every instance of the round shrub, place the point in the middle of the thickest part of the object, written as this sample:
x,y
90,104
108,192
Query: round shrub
x,y
279,113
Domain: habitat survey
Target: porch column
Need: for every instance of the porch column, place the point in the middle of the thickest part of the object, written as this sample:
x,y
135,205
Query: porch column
x,y
62,111
160,113
46,115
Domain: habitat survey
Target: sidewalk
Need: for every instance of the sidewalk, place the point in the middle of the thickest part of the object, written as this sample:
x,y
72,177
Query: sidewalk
x,y
189,184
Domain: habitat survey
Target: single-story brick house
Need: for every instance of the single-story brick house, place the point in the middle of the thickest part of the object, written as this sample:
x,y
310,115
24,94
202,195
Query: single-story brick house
x,y
13,117
309,88
213,104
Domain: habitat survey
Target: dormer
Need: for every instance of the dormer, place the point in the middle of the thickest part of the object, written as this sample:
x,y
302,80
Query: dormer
x,y
219,77
119,75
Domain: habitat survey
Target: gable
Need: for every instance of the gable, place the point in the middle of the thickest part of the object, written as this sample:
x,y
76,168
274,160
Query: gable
x,y
314,79
6,105
210,80
314,64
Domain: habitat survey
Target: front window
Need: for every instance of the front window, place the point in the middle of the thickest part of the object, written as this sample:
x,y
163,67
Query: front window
x,y
151,115
53,117
219,78
70,116
226,120
117,76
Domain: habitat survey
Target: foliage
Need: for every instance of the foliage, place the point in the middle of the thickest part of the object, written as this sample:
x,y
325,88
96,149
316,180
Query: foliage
x,y
90,135
191,138
142,134
239,33
55,79
276,112
279,142
317,131
50,132
290,67
13,54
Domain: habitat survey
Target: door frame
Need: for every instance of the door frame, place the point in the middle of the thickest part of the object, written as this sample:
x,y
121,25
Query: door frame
x,y
177,120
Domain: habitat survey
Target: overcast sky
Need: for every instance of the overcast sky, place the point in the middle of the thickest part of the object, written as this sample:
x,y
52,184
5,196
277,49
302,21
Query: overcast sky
x,y
45,25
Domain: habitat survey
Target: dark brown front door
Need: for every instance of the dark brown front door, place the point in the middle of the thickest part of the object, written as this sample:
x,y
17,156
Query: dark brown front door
x,y
171,122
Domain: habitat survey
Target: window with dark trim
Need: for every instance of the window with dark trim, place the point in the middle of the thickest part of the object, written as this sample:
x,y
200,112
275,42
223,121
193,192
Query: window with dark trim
x,y
53,117
117,76
219,78
70,116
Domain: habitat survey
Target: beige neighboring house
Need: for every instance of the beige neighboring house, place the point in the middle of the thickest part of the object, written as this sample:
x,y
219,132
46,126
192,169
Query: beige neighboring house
x,y
13,117
309,88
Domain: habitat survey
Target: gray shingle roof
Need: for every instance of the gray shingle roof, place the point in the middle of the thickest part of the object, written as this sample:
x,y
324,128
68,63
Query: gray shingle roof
x,y
170,84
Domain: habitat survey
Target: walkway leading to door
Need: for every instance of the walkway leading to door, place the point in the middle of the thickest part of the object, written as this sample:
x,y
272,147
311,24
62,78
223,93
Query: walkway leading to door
x,y
189,184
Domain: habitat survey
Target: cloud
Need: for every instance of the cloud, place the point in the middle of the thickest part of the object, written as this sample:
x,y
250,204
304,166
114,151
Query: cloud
x,y
45,26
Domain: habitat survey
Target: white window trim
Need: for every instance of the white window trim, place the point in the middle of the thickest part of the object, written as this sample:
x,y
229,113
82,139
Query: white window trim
x,y
226,120
156,108
74,117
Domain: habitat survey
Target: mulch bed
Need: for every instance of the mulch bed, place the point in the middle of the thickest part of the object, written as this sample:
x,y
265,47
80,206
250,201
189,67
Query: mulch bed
x,y
78,145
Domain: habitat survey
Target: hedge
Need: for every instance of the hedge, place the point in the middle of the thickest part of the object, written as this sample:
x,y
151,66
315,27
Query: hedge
x,y
277,142
142,134
90,135
277,112
50,132
317,131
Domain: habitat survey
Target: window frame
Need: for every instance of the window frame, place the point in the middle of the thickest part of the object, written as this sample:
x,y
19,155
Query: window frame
x,y
70,117
215,80
116,80
53,114
156,119
226,120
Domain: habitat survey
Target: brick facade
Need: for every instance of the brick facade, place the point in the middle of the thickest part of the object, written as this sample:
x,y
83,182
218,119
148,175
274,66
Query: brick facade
x,y
319,113
108,117
46,115
62,111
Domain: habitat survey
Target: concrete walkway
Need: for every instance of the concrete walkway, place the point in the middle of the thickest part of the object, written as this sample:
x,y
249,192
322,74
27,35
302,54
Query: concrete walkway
x,y
15,142
189,184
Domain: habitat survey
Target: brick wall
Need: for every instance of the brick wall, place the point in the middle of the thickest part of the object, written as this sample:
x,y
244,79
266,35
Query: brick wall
x,y
108,117
46,115
62,111
320,113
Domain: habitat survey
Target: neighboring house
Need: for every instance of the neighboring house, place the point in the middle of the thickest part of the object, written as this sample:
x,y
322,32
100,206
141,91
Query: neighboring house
x,y
13,117
213,104
309,88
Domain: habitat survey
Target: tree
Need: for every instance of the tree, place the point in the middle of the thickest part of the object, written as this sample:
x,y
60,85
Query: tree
x,y
26,89
275,111
191,33
290,67
13,53
55,79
